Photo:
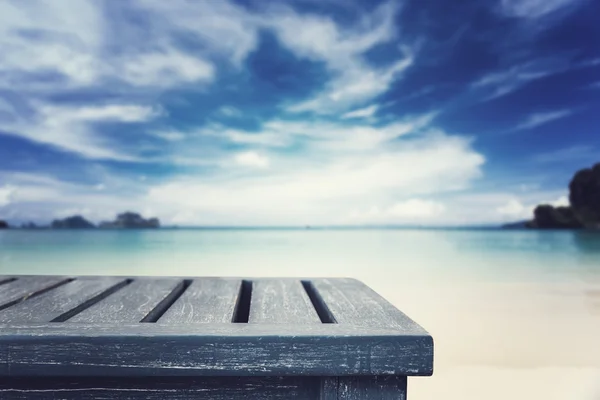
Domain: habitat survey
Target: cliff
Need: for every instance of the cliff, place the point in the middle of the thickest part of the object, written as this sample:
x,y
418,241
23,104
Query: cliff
x,y
584,208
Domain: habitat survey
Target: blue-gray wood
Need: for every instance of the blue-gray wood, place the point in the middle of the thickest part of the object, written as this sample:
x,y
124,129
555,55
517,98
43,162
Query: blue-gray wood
x,y
351,302
70,331
386,387
175,388
132,303
54,303
213,388
277,301
210,300
15,291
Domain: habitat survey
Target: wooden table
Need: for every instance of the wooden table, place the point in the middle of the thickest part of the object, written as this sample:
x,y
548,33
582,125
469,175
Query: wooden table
x,y
204,338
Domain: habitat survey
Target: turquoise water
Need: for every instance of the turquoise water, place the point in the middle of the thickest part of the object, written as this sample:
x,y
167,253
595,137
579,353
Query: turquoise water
x,y
480,254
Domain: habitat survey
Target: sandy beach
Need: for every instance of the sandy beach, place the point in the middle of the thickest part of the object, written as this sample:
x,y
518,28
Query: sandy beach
x,y
507,340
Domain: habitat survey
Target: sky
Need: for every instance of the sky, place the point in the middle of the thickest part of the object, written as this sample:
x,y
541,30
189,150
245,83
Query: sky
x,y
304,112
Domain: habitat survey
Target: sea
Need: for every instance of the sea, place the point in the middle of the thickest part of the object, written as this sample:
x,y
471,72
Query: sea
x,y
513,313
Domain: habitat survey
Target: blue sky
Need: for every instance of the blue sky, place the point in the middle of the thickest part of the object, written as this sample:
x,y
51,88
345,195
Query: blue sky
x,y
295,112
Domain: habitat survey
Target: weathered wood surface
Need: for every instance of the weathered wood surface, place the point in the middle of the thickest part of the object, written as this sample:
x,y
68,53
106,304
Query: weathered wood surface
x,y
213,388
130,304
177,388
54,303
13,292
352,302
153,349
391,387
183,326
208,300
281,302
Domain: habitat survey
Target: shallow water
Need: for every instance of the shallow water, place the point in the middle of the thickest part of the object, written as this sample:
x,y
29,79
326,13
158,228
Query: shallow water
x,y
514,314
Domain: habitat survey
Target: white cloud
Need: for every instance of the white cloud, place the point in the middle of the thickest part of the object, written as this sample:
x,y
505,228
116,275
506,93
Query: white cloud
x,y
578,152
532,9
317,135
229,111
6,195
356,85
60,37
165,68
537,119
170,135
111,112
362,113
304,190
397,176
409,211
562,201
417,208
68,128
72,34
226,29
251,159
320,39
516,209
510,79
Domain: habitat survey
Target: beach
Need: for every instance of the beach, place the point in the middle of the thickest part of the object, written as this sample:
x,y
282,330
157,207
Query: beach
x,y
513,314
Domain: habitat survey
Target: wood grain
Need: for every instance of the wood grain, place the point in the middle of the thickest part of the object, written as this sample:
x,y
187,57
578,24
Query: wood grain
x,y
130,304
210,300
62,349
364,387
216,388
175,327
281,302
50,305
352,302
26,287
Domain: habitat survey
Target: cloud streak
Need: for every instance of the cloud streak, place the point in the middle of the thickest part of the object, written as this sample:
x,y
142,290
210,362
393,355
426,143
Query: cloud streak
x,y
537,119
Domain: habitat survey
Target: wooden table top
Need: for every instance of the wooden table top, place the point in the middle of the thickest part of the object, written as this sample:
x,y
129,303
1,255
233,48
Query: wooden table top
x,y
175,326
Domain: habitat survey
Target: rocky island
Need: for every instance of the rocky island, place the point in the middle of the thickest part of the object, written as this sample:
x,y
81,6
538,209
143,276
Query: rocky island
x,y
131,220
126,220
3,224
583,211
74,222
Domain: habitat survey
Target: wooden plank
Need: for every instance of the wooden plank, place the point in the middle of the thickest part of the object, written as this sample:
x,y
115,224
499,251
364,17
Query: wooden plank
x,y
281,302
352,302
210,300
52,304
6,279
159,388
130,304
62,349
371,387
26,287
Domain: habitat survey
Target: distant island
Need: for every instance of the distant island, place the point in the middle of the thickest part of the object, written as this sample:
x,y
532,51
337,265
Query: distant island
x,y
126,220
583,211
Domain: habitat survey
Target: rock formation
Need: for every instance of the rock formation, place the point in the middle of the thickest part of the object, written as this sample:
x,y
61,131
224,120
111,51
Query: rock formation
x,y
584,196
131,220
3,224
584,209
549,217
74,222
